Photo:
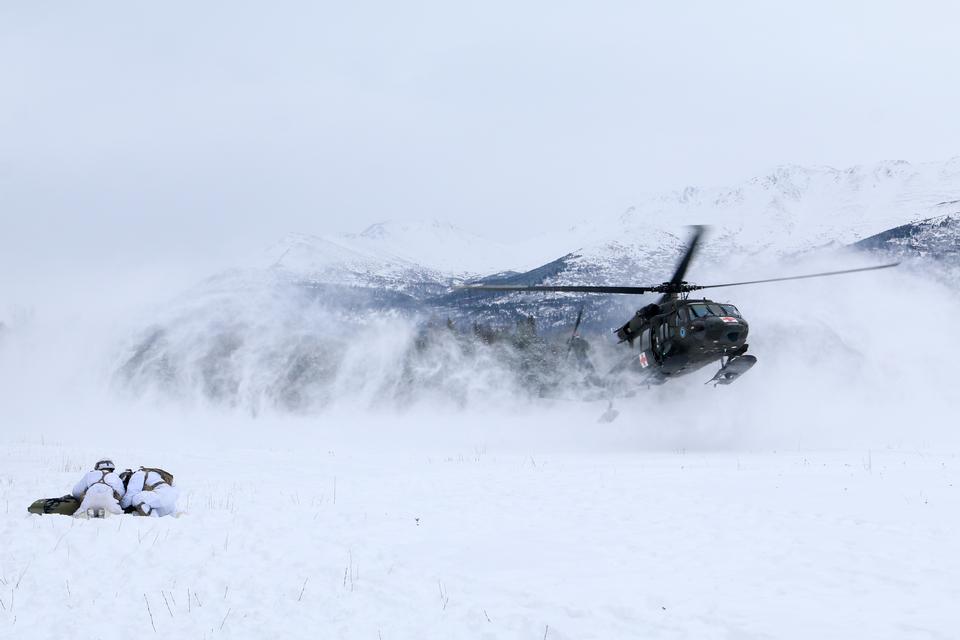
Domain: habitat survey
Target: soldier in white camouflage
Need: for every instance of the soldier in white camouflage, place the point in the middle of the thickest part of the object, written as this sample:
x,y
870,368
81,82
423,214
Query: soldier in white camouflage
x,y
149,492
99,491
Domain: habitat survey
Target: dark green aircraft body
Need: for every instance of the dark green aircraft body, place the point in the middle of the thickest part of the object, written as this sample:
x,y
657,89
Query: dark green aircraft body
x,y
678,335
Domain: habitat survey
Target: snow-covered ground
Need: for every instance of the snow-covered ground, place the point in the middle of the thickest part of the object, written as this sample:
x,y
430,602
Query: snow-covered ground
x,y
479,527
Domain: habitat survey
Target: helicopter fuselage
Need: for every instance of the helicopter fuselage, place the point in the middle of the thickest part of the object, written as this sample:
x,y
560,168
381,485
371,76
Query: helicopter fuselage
x,y
679,336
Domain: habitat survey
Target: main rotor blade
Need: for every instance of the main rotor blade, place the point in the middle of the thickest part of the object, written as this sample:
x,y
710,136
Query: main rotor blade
x,y
676,281
684,263
803,277
562,289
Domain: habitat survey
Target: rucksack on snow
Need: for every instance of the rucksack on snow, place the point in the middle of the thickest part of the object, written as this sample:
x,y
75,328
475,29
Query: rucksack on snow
x,y
166,475
65,506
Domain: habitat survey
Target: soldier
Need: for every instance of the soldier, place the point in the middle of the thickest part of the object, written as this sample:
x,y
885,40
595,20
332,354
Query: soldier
x,y
99,491
149,492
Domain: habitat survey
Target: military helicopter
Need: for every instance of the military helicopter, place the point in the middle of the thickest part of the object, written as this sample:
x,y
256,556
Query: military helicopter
x,y
678,334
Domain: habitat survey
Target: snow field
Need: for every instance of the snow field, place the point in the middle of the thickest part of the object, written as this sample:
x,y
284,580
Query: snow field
x,y
355,540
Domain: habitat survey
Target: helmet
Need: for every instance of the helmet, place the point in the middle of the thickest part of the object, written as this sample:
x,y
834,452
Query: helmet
x,y
104,465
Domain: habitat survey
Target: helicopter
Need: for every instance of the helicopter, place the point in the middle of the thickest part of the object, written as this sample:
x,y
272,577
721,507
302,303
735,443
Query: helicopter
x,y
678,334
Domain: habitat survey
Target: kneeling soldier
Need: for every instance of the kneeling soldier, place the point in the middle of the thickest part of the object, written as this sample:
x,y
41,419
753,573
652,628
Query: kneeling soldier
x,y
150,492
99,491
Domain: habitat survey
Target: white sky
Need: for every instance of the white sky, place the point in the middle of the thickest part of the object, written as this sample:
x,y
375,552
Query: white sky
x,y
144,131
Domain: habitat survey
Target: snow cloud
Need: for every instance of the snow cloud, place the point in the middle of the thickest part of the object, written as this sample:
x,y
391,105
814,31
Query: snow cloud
x,y
840,365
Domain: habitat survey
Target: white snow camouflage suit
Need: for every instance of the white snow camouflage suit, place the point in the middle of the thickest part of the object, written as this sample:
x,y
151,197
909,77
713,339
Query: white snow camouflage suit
x,y
101,489
150,495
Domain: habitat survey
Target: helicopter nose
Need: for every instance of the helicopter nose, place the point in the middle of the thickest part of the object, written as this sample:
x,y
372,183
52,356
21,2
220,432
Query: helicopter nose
x,y
726,330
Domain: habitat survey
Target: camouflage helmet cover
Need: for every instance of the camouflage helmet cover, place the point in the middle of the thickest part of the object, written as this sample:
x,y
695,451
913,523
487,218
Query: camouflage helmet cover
x,y
104,465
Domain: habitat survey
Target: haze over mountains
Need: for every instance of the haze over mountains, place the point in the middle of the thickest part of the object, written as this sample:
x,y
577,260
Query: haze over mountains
x,y
788,212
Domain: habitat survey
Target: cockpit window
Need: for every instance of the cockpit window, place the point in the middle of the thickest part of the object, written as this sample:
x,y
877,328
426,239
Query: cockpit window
x,y
699,311
702,310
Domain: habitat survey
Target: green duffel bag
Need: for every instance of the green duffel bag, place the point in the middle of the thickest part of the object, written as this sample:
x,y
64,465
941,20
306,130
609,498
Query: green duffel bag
x,y
65,506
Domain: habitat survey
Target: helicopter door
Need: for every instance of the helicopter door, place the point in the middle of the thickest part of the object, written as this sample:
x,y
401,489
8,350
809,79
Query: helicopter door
x,y
645,340
659,338
663,338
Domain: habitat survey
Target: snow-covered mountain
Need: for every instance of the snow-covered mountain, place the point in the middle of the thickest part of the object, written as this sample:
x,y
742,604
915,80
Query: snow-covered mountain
x,y
795,207
936,239
439,246
790,210
341,262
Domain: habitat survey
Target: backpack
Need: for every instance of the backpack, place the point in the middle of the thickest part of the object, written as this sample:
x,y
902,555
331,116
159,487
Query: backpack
x,y
67,505
166,478
103,480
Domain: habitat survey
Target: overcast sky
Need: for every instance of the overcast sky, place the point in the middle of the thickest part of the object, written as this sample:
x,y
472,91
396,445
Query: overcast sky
x,y
137,131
